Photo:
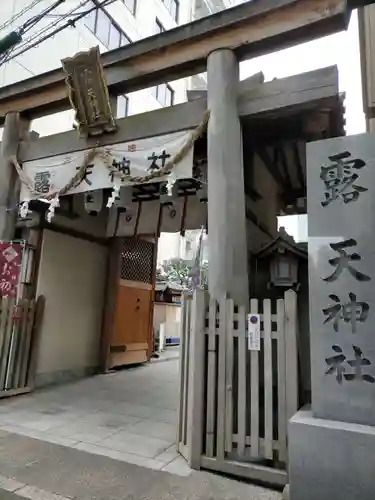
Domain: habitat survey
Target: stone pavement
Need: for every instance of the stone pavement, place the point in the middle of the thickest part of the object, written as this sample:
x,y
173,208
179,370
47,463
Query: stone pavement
x,y
39,470
7,495
129,415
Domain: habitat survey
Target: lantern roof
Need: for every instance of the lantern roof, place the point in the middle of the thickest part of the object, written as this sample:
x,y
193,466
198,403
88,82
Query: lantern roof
x,y
283,243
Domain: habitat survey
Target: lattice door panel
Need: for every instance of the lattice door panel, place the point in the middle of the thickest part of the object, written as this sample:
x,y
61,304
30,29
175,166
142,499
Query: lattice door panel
x,y
137,260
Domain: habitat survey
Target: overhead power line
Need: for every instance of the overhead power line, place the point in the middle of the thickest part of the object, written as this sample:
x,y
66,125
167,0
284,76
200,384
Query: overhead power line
x,y
19,14
28,25
70,23
38,35
15,37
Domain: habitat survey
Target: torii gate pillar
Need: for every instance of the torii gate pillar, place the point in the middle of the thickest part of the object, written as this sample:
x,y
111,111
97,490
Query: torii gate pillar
x,y
226,192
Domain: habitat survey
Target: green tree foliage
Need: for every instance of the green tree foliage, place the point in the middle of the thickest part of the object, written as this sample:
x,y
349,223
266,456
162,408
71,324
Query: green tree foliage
x,y
179,271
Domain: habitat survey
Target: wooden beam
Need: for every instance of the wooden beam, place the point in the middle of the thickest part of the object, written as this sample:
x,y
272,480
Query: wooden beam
x,y
252,471
284,163
298,163
51,226
290,197
271,167
254,219
294,93
245,85
251,29
298,91
248,165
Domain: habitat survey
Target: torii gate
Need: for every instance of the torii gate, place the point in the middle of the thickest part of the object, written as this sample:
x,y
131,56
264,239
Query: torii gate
x,y
245,31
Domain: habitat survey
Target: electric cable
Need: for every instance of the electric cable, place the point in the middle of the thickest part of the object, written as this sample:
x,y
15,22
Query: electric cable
x,y
19,14
14,38
69,23
34,20
49,26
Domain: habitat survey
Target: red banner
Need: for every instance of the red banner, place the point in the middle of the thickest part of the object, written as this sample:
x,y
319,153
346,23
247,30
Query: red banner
x,y
10,268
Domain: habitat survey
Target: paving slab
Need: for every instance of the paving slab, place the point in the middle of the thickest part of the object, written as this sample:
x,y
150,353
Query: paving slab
x,y
7,495
41,467
130,413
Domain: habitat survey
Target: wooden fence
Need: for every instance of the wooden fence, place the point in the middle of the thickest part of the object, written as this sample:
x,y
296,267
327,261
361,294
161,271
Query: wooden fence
x,y
19,327
235,402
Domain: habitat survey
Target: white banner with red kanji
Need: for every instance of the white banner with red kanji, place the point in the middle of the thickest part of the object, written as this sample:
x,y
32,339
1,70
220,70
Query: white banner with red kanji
x,y
136,158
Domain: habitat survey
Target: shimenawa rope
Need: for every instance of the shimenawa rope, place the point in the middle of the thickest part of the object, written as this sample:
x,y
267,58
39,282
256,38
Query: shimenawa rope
x,y
107,159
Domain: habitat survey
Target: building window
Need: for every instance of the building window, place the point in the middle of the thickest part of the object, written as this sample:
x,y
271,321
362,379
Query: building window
x,y
169,96
159,28
164,94
105,29
125,40
131,5
114,38
173,7
90,19
122,106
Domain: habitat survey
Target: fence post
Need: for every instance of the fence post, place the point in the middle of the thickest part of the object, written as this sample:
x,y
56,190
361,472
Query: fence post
x,y
291,356
38,319
196,382
183,347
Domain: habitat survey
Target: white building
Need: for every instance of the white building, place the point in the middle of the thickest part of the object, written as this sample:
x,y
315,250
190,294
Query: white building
x,y
122,22
118,24
172,245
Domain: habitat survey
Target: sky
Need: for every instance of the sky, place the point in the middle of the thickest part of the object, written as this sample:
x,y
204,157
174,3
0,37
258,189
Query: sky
x,y
341,49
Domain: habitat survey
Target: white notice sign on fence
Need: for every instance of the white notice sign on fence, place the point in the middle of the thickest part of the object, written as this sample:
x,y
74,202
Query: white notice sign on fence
x,y
253,331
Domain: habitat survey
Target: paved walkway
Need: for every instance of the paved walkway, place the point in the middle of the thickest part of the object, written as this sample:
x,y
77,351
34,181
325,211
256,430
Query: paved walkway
x,y
37,470
129,415
110,437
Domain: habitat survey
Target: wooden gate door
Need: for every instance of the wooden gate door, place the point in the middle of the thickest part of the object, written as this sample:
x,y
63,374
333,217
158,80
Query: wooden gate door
x,y
234,402
131,335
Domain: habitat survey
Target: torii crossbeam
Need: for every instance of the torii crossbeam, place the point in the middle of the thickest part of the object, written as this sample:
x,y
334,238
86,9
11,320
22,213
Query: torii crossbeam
x,y
254,28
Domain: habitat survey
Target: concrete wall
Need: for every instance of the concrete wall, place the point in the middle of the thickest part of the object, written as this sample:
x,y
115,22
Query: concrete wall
x,y
160,314
170,314
72,278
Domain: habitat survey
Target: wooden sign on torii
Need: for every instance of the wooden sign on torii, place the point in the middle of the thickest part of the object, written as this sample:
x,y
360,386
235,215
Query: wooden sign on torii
x,y
216,44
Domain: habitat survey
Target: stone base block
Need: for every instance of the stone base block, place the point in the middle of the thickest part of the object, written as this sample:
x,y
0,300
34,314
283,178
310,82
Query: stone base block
x,y
330,460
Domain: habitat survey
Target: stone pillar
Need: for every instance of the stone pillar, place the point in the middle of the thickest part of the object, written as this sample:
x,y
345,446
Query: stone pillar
x,y
332,444
226,190
371,125
9,182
